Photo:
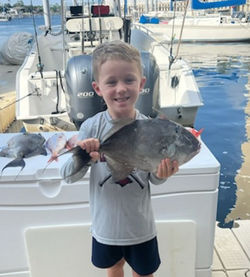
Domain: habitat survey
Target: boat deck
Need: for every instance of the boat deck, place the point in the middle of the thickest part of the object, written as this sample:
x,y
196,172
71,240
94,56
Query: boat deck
x,y
232,251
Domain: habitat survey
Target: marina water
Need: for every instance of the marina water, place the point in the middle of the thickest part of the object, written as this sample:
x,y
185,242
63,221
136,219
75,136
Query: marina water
x,y
222,74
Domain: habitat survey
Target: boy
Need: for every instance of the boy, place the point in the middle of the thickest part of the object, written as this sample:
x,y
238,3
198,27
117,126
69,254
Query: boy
x,y
123,226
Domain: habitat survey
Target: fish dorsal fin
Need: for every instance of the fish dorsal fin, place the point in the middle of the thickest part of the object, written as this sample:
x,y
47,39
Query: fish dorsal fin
x,y
118,170
117,125
199,132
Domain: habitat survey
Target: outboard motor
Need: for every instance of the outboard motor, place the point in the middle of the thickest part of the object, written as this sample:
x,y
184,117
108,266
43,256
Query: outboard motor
x,y
148,101
81,100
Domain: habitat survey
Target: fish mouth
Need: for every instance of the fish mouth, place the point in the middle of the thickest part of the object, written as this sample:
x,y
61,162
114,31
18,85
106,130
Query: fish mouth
x,y
121,100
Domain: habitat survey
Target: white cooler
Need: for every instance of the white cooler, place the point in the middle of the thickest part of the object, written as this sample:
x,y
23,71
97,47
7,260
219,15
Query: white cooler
x,y
45,224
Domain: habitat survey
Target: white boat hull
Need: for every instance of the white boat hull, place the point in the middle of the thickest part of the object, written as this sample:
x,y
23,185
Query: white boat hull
x,y
222,33
204,28
45,222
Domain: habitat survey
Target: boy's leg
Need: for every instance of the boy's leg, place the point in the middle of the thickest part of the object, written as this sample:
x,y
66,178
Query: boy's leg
x,y
143,258
117,269
137,275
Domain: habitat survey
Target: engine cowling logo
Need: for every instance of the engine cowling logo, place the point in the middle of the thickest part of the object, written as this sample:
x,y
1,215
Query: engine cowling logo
x,y
86,94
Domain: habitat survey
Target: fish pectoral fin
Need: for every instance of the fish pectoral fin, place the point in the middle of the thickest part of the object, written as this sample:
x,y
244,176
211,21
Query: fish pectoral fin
x,y
18,162
119,171
169,151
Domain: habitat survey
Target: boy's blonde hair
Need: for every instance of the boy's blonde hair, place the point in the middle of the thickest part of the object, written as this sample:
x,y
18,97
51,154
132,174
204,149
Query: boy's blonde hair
x,y
114,50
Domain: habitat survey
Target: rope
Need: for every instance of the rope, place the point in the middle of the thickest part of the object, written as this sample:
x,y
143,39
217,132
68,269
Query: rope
x,y
182,27
29,94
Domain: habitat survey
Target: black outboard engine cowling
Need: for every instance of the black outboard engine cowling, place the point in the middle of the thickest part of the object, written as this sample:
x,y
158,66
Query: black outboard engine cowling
x,y
81,100
148,101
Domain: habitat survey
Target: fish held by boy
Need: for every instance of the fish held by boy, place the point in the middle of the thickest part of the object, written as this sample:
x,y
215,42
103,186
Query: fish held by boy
x,y
141,144
22,146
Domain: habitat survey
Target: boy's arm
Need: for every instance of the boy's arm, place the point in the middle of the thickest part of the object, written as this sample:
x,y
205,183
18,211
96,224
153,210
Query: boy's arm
x,y
165,170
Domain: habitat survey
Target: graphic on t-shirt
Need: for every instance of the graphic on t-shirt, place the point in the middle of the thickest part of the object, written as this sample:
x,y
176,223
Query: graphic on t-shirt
x,y
123,182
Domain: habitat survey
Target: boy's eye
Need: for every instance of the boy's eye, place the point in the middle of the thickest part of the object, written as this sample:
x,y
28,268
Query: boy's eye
x,y
130,80
111,82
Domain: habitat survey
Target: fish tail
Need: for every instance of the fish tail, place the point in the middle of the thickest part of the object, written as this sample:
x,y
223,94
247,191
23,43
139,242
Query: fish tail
x,y
81,158
19,162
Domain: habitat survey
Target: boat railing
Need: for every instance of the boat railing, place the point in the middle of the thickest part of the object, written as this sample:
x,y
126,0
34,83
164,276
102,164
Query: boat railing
x,y
142,27
161,38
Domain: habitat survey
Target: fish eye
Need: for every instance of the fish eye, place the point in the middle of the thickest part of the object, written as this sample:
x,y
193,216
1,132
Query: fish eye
x,y
176,129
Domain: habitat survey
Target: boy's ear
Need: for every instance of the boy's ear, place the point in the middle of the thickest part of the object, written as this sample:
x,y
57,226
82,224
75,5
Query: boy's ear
x,y
143,81
96,88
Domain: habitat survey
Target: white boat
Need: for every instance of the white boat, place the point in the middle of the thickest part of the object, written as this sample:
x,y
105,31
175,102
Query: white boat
x,y
45,222
5,16
200,27
48,93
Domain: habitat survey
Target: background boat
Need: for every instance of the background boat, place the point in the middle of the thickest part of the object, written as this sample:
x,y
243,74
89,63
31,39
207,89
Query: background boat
x,y
197,25
5,17
46,96
200,29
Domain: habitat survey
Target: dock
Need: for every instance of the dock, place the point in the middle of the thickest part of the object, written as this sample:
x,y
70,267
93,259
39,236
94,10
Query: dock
x,y
232,251
7,97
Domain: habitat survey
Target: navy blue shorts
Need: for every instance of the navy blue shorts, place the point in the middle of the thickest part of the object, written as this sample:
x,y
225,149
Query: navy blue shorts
x,y
143,258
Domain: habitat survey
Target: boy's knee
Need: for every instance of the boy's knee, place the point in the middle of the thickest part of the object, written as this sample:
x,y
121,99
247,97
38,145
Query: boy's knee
x,y
119,264
137,275
117,269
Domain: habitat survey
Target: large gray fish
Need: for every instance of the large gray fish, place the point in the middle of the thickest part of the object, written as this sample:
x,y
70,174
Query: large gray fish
x,y
24,145
141,144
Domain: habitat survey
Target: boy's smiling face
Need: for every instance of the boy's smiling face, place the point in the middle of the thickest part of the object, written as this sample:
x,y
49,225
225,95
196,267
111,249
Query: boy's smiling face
x,y
119,83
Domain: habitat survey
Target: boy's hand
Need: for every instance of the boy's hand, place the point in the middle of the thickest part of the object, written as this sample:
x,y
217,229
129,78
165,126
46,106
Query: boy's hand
x,y
167,169
91,146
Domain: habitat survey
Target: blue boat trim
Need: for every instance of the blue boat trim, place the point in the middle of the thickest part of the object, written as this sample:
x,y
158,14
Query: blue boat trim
x,y
198,5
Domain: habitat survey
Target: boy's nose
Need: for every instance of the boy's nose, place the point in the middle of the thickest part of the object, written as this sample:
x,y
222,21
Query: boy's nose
x,y
120,87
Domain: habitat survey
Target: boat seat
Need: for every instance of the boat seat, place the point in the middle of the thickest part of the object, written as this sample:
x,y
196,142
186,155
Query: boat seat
x,y
107,24
65,250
